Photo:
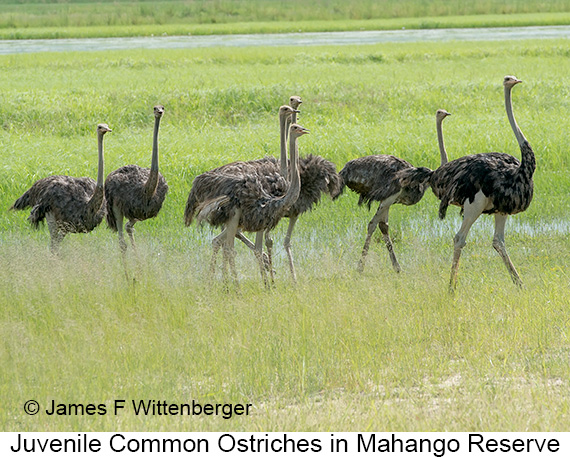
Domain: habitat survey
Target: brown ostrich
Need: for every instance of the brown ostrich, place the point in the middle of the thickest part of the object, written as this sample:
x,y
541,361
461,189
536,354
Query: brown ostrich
x,y
249,206
318,176
487,183
388,180
135,193
68,204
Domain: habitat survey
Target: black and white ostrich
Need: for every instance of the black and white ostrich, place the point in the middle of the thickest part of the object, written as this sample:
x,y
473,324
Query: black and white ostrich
x,y
249,205
487,183
68,204
135,193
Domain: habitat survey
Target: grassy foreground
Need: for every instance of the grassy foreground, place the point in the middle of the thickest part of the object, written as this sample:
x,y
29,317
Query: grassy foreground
x,y
337,351
79,18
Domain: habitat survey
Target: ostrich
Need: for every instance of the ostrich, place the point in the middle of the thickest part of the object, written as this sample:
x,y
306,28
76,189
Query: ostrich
x,y
68,204
389,180
490,183
249,206
318,176
134,192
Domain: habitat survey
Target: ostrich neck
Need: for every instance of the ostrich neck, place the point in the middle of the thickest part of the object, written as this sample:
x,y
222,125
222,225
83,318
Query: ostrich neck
x,y
152,182
509,107
295,186
442,150
283,145
96,199
528,161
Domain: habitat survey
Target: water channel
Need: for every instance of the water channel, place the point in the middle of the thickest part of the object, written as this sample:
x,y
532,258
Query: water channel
x,y
284,39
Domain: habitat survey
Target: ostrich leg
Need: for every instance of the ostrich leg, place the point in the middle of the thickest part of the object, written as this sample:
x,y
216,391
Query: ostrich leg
x,y
471,211
258,254
130,229
55,233
245,240
383,224
499,245
229,251
287,245
119,220
267,258
381,216
217,243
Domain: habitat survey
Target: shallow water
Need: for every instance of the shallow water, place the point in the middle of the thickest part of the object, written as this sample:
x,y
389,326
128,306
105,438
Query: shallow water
x,y
284,39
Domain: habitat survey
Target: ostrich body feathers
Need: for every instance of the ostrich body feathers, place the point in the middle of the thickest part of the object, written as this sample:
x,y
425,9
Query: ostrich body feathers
x,y
68,200
318,176
501,177
378,177
125,189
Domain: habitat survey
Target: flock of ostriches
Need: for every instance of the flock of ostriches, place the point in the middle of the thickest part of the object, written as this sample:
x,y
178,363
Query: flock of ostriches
x,y
253,196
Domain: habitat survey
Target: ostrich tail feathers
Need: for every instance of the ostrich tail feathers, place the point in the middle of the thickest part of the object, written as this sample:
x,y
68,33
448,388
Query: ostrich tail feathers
x,y
207,210
190,209
37,215
23,202
110,217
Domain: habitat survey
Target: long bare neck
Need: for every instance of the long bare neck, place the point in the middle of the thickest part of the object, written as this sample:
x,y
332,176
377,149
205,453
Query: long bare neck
x,y
509,107
295,186
283,120
96,199
290,120
152,182
442,151
528,161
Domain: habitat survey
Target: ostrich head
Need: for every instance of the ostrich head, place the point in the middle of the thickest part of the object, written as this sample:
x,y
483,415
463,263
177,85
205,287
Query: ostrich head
x,y
295,101
158,111
287,111
441,114
103,128
296,130
510,81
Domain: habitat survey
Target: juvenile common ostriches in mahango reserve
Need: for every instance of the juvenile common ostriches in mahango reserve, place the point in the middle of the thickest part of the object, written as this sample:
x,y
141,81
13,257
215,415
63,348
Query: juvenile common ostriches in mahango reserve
x,y
490,183
135,193
68,204
250,207
388,180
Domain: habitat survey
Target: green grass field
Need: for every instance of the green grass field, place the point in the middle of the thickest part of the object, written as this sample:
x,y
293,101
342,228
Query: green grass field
x,y
339,350
80,18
